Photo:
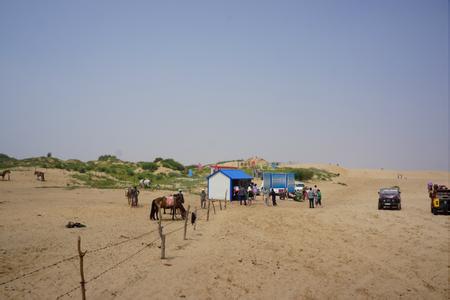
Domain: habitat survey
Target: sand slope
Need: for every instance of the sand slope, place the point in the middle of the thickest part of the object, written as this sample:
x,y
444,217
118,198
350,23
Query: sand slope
x,y
347,249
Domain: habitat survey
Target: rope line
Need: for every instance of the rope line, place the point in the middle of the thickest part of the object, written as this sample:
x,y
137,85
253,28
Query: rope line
x,y
40,269
75,256
117,264
103,248
67,293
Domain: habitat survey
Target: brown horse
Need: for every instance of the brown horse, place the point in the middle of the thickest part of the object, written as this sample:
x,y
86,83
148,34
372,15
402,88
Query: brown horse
x,y
128,194
173,202
39,175
4,173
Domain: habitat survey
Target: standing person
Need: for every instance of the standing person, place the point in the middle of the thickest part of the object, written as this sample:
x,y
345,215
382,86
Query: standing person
x,y
250,194
241,195
305,193
311,198
236,192
274,197
266,196
315,194
203,199
319,198
255,191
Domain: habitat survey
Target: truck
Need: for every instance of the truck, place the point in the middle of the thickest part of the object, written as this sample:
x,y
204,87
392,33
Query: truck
x,y
389,197
299,186
440,200
281,183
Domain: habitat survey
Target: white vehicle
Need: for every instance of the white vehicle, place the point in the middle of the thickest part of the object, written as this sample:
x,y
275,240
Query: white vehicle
x,y
299,186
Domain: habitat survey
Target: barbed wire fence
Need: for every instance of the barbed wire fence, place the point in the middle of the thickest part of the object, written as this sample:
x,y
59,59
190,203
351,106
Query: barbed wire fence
x,y
204,216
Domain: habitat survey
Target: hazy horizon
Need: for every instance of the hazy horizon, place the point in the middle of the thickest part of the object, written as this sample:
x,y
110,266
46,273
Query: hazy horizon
x,y
362,84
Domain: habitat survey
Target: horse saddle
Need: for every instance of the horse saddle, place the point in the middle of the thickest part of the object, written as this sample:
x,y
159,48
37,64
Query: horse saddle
x,y
170,201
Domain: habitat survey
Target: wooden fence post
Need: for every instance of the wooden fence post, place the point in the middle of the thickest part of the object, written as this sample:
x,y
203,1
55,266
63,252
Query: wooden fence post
x,y
163,246
214,207
207,213
161,235
186,221
220,204
82,282
195,223
226,192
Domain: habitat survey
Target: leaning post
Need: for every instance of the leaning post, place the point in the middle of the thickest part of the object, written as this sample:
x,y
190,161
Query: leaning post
x,y
186,221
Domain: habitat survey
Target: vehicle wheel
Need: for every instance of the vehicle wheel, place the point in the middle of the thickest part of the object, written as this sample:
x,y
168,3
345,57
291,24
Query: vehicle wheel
x,y
434,211
399,206
379,206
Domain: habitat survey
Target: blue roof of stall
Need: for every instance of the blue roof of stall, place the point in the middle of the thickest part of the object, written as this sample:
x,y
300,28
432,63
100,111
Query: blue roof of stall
x,y
233,174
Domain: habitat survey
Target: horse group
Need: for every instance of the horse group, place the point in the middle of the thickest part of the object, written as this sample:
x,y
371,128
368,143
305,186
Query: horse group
x,y
132,194
174,203
39,175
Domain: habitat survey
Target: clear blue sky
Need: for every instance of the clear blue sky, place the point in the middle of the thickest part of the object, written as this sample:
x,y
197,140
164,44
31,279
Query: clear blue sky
x,y
360,83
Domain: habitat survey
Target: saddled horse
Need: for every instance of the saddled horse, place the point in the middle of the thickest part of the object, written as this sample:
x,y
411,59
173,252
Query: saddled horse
x,y
39,175
173,202
132,194
4,173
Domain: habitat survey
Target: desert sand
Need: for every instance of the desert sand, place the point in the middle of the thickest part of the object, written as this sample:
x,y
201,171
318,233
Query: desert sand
x,y
347,249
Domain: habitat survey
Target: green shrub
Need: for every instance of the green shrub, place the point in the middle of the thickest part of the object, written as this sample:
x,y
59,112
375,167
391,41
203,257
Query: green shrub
x,y
158,159
149,166
172,164
300,174
107,157
303,174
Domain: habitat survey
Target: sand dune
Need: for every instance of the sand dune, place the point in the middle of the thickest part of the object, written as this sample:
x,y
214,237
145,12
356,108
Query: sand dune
x,y
347,249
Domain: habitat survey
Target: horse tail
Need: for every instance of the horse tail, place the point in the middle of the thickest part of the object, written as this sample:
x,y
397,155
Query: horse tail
x,y
152,211
183,211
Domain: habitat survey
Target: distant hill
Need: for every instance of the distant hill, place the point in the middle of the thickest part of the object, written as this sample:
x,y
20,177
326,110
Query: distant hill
x,y
108,171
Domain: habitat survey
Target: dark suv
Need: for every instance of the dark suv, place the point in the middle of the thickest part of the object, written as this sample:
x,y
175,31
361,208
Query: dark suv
x,y
389,197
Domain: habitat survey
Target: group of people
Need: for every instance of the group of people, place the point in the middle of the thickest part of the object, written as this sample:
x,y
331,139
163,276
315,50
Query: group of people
x,y
246,195
314,196
272,194
433,188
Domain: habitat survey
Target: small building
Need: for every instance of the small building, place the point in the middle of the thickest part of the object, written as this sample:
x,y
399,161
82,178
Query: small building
x,y
223,181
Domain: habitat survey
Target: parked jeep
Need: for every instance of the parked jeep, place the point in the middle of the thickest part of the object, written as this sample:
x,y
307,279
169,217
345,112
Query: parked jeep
x,y
440,200
389,197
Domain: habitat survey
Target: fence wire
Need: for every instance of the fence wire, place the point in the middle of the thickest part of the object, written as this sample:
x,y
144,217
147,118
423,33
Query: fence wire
x,y
76,256
198,218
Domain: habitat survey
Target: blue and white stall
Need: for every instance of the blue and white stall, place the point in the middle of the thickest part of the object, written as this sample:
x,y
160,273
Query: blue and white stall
x,y
222,182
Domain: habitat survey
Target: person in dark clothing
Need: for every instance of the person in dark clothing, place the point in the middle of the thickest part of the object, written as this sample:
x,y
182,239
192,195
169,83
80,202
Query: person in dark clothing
x,y
311,198
319,198
274,197
242,195
203,199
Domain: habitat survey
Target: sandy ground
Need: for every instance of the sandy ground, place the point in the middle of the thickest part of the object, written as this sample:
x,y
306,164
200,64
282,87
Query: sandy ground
x,y
346,249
